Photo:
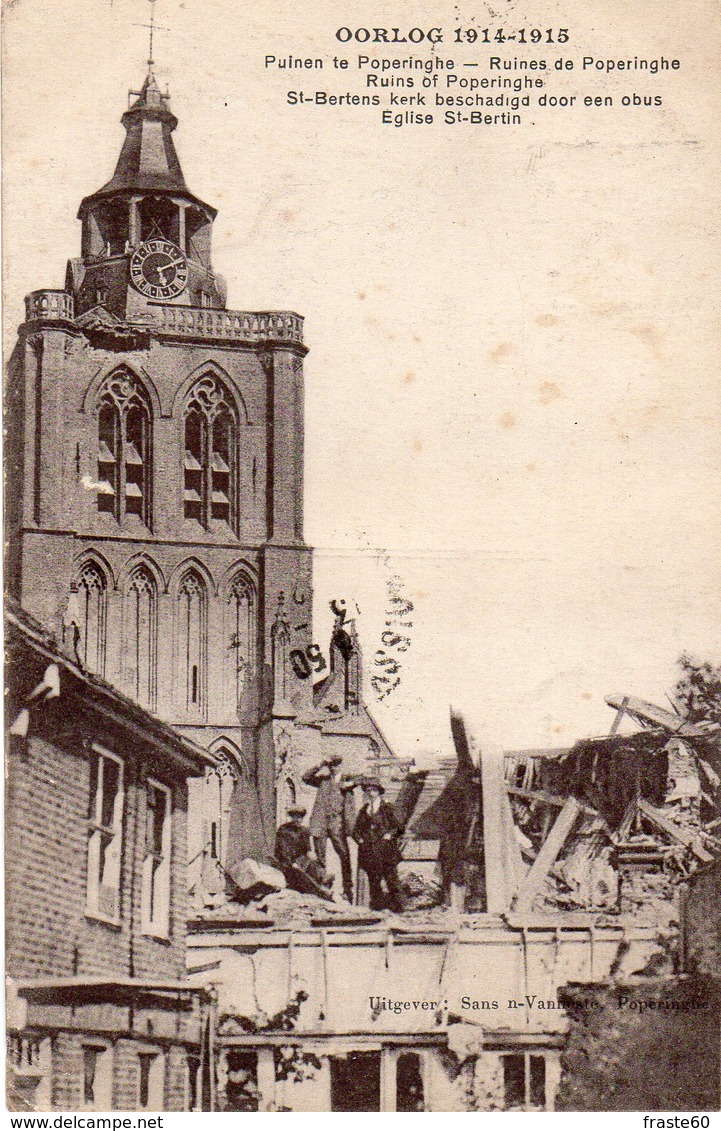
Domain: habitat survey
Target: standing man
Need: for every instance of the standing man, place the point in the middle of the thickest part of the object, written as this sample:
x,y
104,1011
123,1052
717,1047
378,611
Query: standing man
x,y
377,834
327,818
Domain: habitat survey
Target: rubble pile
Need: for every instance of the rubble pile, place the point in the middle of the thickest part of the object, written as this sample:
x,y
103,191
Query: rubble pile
x,y
419,892
643,811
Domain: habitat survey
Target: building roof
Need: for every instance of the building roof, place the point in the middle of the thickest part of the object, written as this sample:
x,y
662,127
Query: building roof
x,y
80,987
148,160
102,696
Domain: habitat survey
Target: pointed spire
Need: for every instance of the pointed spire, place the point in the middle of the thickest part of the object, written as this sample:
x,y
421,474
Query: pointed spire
x,y
148,158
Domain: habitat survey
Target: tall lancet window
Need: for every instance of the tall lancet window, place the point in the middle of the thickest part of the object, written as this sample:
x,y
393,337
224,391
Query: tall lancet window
x,y
220,784
192,620
124,448
210,486
91,606
140,644
280,645
242,636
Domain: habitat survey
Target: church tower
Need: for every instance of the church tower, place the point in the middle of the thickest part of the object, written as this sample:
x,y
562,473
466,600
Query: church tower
x,y
155,458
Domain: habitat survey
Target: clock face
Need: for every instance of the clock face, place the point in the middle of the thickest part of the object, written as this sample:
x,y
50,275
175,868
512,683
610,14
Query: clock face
x,y
159,269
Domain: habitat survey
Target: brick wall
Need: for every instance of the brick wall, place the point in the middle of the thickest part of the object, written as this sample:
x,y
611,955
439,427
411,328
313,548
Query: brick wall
x,y
48,930
176,1079
68,1073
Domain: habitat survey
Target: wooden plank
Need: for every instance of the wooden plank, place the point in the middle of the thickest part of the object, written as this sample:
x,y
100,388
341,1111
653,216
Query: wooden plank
x,y
627,821
619,715
676,832
498,882
537,795
548,854
544,798
649,715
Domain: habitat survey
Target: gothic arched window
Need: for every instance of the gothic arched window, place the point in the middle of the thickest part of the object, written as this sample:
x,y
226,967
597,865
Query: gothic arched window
x,y
210,484
220,784
242,635
192,620
91,602
280,648
140,644
124,448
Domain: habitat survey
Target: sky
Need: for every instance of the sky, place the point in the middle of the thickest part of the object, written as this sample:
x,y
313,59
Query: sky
x,y
512,401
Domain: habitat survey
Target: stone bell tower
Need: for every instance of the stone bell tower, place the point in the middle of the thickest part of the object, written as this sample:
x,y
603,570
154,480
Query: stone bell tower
x,y
145,237
155,456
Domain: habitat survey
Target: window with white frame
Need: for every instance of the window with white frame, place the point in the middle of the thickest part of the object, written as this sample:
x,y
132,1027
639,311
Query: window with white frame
x,y
105,835
151,1080
156,866
97,1082
524,1081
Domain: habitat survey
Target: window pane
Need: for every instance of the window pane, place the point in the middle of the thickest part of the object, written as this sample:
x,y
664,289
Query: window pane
x,y
242,1087
409,1083
90,1062
191,624
538,1081
111,782
355,1082
156,819
221,471
514,1080
93,798
146,1062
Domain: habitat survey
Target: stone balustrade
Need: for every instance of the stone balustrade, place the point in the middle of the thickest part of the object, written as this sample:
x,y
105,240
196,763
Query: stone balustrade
x,y
186,321
49,305
240,325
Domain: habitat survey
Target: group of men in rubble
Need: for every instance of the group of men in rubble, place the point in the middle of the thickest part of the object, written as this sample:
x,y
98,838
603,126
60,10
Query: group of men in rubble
x,y
375,830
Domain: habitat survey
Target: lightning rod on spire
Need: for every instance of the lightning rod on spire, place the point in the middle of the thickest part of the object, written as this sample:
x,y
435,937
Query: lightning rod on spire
x,y
152,27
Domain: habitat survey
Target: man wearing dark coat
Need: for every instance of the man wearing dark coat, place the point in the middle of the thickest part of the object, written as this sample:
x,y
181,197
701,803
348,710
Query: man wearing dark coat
x,y
293,848
292,839
377,834
330,816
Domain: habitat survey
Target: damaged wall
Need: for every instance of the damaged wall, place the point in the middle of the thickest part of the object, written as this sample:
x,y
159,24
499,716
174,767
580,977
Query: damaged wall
x,y
347,975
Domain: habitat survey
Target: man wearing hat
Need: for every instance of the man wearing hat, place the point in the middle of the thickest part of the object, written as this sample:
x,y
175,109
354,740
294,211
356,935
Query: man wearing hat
x,y
377,834
292,846
330,816
292,839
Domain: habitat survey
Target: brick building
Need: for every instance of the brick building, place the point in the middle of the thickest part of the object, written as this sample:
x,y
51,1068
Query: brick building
x,y
99,1016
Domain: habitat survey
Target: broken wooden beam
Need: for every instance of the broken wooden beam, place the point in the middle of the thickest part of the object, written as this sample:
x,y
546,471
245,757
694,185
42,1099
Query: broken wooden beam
x,y
547,855
552,799
676,832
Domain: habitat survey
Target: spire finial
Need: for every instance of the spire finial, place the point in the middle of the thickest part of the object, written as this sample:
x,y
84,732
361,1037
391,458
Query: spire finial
x,y
152,28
